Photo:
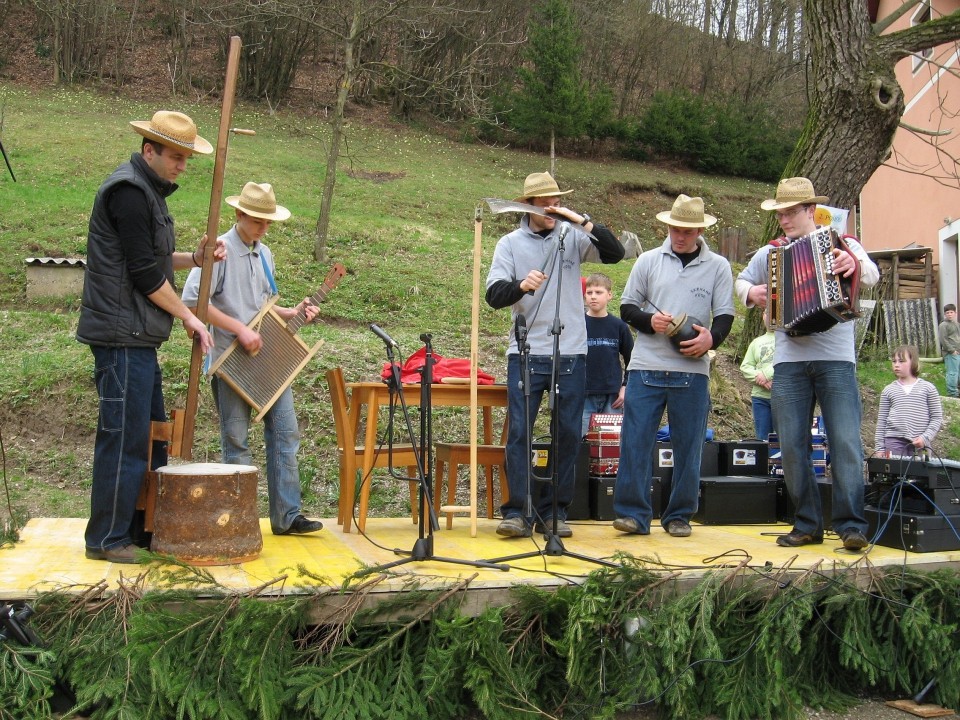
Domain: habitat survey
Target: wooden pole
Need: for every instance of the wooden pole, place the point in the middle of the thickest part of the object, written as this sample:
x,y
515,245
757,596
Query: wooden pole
x,y
213,222
475,363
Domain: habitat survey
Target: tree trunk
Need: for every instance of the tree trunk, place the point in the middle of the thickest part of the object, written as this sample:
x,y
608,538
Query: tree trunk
x,y
855,100
350,65
553,153
855,103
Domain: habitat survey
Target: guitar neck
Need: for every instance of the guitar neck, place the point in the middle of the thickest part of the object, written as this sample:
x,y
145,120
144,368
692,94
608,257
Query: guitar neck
x,y
329,283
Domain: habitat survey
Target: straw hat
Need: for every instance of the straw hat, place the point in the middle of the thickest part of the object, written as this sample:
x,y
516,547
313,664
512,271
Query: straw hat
x,y
540,185
687,212
173,129
258,201
793,191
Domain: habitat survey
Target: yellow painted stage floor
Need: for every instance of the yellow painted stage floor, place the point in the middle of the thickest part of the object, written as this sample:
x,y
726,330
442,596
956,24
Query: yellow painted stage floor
x,y
50,556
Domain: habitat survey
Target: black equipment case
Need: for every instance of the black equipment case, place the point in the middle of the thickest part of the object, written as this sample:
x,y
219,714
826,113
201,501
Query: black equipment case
x,y
913,532
737,500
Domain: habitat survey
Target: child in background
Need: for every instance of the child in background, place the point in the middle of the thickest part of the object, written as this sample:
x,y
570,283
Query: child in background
x,y
608,341
910,412
950,346
757,367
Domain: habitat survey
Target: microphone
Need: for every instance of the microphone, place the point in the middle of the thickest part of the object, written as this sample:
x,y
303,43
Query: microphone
x,y
383,336
520,330
564,229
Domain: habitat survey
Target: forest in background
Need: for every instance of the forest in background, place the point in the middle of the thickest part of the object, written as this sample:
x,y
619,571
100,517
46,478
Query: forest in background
x,y
714,85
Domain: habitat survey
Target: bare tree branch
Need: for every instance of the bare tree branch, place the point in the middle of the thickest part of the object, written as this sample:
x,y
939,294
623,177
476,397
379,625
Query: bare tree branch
x,y
881,25
926,35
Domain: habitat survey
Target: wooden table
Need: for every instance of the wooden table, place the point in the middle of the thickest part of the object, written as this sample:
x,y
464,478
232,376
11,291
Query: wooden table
x,y
366,399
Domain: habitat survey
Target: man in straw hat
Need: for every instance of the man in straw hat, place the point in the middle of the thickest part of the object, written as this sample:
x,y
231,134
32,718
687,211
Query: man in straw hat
x,y
240,288
127,311
820,367
524,275
681,276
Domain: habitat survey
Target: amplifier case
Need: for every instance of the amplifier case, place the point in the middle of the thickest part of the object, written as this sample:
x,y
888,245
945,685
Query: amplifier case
x,y
737,500
709,459
913,532
914,499
944,475
897,468
601,496
747,457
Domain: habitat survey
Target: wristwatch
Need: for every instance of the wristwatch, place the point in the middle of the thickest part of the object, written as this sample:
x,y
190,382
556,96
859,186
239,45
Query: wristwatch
x,y
586,219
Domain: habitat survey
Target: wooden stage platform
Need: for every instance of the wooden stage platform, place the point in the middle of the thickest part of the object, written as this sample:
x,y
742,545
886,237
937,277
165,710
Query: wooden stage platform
x,y
50,556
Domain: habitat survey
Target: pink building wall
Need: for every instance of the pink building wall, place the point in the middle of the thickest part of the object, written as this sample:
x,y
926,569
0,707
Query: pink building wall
x,y
903,203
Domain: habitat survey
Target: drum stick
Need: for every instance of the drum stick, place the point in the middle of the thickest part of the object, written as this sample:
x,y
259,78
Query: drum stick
x,y
213,222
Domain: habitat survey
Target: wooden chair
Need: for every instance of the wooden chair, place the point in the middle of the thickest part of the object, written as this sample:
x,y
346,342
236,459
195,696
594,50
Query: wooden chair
x,y
453,455
351,456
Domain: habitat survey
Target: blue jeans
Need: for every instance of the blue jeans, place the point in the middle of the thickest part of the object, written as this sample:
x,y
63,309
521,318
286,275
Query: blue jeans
x,y
282,438
797,387
951,364
597,404
129,386
762,417
572,381
686,398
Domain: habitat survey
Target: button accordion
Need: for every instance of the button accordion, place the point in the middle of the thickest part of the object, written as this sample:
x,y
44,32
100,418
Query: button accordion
x,y
804,295
603,440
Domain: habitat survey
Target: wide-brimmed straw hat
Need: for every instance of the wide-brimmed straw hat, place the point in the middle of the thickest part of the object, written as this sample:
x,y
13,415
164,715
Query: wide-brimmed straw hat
x,y
793,191
258,201
173,129
540,185
687,212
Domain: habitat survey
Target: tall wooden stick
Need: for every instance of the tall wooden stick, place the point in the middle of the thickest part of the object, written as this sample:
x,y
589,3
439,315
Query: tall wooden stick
x,y
475,364
213,223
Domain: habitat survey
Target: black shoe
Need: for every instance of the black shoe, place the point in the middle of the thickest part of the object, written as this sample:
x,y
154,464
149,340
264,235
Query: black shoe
x,y
125,554
854,540
795,538
563,530
301,526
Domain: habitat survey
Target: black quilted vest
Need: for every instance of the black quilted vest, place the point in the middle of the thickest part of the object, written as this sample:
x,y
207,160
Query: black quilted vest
x,y
113,312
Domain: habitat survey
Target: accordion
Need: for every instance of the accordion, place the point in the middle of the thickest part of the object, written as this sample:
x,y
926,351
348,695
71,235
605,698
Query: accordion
x,y
603,440
804,295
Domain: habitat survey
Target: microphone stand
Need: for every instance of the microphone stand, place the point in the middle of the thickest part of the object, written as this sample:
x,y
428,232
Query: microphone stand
x,y
423,452
554,545
524,347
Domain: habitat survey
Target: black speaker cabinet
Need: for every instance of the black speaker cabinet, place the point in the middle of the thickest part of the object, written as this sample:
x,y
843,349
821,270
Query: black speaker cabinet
x,y
737,500
746,457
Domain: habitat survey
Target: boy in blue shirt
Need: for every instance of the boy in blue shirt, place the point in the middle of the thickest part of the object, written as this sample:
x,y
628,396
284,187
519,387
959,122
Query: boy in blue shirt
x,y
608,341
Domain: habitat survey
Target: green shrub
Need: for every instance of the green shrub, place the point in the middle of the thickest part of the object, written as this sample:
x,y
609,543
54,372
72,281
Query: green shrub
x,y
712,137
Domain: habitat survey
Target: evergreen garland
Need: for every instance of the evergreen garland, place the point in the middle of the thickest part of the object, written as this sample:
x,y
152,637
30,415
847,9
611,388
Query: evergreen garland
x,y
744,643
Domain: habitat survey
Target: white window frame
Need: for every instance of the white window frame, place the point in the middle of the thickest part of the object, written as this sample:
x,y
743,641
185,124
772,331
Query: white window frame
x,y
922,14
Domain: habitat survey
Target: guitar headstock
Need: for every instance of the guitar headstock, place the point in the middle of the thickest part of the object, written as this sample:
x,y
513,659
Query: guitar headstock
x,y
334,276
